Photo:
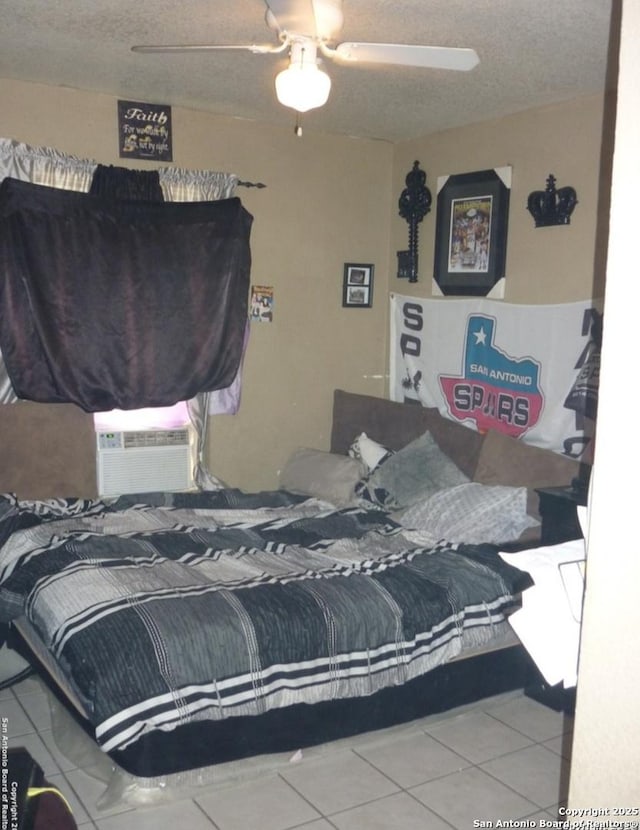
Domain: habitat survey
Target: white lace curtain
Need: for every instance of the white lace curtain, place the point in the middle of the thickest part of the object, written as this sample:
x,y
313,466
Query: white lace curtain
x,y
50,167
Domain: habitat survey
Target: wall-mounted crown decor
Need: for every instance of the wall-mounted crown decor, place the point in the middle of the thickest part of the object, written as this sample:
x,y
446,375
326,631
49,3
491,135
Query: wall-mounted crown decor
x,y
413,206
550,206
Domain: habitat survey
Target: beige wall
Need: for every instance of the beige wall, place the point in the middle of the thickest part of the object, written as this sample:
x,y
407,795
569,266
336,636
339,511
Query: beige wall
x,y
331,200
544,265
326,203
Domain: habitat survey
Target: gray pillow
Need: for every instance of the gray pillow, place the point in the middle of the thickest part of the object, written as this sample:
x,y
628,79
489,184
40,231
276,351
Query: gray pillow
x,y
412,474
323,475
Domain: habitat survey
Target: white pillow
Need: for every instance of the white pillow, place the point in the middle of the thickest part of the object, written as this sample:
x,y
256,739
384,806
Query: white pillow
x,y
472,513
368,451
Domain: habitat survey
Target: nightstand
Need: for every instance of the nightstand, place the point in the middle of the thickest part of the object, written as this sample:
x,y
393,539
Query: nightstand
x,y
559,513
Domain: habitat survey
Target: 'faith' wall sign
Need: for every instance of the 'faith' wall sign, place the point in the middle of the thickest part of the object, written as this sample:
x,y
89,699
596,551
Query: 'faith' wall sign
x,y
144,131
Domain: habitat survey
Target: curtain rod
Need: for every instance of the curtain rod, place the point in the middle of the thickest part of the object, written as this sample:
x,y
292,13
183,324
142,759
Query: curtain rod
x,y
259,185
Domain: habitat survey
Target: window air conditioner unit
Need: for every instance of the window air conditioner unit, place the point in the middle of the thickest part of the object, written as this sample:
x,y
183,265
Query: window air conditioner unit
x,y
145,461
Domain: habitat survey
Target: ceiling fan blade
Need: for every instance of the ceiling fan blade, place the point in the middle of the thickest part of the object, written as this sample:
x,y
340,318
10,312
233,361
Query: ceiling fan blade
x,y
329,18
292,16
256,48
428,57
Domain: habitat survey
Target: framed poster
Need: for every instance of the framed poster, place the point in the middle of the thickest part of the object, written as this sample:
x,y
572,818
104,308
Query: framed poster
x,y
357,286
144,131
262,303
471,231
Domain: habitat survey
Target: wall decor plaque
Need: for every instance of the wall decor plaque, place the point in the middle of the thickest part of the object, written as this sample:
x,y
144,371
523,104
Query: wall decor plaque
x,y
144,131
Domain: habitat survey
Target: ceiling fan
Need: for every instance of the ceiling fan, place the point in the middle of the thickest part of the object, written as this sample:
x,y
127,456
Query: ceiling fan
x,y
305,27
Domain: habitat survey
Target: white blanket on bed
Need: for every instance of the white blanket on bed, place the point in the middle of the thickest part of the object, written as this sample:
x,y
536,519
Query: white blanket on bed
x,y
548,624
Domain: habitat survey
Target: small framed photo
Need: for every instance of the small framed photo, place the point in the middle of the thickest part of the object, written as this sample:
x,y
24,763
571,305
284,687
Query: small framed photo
x,y
357,289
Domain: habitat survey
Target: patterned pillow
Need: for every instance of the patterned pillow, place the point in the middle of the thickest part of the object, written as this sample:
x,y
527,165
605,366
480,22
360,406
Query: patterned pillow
x,y
368,451
473,513
412,474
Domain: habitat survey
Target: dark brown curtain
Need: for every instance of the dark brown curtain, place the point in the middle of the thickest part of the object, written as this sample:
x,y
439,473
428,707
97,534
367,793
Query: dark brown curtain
x,y
121,183
118,303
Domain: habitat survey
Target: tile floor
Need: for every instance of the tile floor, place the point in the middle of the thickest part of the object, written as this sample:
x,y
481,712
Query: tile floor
x,y
506,758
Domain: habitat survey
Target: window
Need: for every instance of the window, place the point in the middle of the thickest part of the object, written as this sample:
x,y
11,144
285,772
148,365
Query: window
x,y
161,417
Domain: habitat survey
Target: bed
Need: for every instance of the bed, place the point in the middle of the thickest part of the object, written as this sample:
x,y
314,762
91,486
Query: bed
x,y
186,630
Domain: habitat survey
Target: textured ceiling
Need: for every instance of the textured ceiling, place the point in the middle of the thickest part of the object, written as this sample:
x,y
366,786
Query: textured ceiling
x,y
532,53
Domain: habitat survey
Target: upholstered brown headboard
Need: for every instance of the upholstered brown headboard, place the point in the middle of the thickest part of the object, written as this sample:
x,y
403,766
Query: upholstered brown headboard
x,y
394,425
47,451
492,458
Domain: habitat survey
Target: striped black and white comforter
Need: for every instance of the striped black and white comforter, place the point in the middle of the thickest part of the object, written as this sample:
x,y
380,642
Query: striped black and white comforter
x,y
165,609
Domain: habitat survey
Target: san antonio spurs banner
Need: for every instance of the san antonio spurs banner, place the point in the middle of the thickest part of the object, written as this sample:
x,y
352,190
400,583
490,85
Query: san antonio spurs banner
x,y
529,371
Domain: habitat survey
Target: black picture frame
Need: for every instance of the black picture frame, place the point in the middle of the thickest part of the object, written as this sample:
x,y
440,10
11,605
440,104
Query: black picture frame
x,y
471,231
357,286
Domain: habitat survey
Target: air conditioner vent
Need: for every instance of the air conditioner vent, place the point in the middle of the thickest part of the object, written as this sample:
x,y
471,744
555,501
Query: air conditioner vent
x,y
144,461
156,438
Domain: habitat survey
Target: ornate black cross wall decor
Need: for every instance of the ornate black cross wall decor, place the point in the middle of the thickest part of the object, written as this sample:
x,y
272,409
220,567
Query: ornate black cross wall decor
x,y
413,206
550,206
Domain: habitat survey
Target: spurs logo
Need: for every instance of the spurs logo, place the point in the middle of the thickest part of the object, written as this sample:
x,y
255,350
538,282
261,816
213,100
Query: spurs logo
x,y
495,390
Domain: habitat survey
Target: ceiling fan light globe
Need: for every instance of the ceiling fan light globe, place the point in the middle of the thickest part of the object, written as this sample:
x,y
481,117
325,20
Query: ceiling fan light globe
x,y
303,88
